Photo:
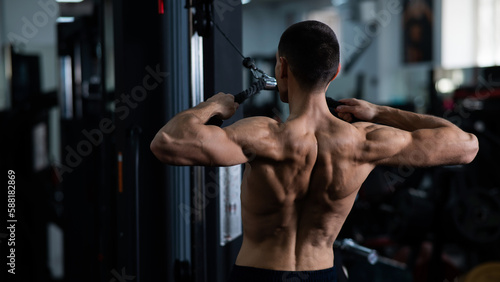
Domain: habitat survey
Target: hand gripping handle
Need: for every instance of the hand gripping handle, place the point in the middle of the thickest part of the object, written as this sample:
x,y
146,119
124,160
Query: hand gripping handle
x,y
239,98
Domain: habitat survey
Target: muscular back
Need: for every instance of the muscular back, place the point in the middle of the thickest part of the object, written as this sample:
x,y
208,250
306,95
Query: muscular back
x,y
302,176
295,200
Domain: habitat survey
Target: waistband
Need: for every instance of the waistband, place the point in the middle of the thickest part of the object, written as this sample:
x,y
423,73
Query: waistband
x,y
252,274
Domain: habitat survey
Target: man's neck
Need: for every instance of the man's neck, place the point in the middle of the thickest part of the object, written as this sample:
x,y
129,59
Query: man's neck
x,y
306,103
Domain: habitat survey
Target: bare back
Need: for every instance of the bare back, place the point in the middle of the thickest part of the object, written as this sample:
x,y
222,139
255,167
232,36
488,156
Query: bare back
x,y
295,201
302,176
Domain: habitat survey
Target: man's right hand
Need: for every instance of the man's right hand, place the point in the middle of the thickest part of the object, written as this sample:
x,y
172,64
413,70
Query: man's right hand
x,y
226,106
360,109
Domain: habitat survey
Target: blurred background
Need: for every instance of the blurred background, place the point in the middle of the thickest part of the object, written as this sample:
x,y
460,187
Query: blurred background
x,y
86,84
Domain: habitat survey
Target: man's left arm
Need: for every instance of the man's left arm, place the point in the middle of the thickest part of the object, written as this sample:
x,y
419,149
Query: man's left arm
x,y
186,140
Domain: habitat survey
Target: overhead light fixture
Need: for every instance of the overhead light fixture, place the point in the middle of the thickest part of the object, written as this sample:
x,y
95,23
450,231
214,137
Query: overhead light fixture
x,y
69,1
65,19
243,2
337,3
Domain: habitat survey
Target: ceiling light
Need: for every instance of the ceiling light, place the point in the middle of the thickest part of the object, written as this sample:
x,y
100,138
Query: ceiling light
x,y
69,1
337,3
65,19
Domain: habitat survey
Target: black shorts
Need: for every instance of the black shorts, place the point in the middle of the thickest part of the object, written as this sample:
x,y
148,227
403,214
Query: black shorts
x,y
252,274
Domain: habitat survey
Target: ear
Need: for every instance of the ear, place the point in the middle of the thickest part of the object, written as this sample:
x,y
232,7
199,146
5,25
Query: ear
x,y
338,71
284,67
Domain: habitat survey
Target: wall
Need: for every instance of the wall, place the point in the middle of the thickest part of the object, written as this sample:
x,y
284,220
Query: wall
x,y
400,82
263,25
31,27
386,78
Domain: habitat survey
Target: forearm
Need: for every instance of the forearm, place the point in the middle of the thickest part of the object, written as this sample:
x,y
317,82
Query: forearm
x,y
203,111
407,120
188,120
438,140
179,139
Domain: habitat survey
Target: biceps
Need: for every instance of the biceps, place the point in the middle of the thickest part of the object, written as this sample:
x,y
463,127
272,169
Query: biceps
x,y
211,146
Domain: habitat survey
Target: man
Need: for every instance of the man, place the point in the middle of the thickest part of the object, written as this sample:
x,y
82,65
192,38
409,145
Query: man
x,y
302,176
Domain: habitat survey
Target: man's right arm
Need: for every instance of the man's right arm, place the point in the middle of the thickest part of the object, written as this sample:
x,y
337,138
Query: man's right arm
x,y
401,137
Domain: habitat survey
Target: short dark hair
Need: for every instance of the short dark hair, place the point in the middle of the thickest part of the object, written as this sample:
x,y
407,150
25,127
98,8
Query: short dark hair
x,y
312,51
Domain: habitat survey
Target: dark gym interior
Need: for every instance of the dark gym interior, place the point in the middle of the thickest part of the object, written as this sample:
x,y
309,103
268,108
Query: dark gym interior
x,y
85,85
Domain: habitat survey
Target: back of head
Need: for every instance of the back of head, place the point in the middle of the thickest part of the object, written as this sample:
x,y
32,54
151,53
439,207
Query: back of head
x,y
312,51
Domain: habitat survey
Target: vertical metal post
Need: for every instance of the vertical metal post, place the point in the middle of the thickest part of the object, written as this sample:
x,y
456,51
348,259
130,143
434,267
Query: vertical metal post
x,y
198,173
66,87
176,45
223,72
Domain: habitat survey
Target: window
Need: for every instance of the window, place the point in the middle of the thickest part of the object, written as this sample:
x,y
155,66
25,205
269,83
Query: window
x,y
470,33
